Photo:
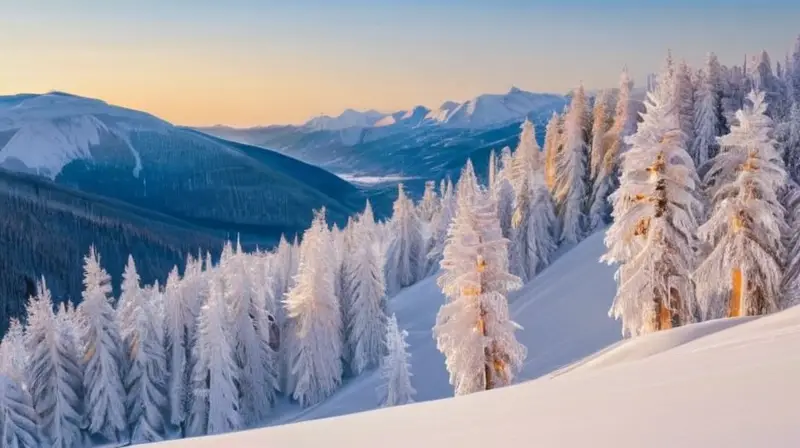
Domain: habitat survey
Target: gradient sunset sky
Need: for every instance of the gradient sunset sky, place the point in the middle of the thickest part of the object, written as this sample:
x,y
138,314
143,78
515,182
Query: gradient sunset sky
x,y
249,62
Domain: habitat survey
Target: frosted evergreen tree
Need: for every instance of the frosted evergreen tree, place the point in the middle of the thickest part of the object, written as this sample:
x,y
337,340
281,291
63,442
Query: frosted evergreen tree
x,y
526,158
366,315
396,368
440,225
764,79
473,328
655,223
18,421
743,273
146,378
13,355
494,170
789,134
600,126
179,326
791,274
54,375
406,257
430,202
315,321
98,332
794,73
250,341
215,405
706,124
533,242
684,96
606,181
503,194
571,173
552,147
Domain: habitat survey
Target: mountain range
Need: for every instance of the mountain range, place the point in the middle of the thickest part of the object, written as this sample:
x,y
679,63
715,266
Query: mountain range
x,y
411,145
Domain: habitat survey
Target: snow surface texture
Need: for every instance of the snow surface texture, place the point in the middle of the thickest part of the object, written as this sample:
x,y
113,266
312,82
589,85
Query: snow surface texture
x,y
726,383
50,130
718,383
479,112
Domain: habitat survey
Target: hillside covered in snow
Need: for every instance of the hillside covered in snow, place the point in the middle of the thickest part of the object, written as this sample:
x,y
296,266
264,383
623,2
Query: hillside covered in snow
x,y
725,383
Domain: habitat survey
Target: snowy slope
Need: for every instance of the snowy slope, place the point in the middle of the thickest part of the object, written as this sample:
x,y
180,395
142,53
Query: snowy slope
x,y
700,385
727,384
564,320
43,133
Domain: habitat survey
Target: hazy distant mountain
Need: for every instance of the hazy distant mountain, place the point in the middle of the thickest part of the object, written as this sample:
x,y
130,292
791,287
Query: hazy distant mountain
x,y
348,119
135,157
414,145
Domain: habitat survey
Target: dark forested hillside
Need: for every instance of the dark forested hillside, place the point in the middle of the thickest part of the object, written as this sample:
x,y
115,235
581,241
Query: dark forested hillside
x,y
46,229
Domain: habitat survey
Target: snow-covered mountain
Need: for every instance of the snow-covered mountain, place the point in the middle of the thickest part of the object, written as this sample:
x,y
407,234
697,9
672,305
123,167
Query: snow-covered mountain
x,y
132,156
43,133
722,382
495,109
348,119
483,111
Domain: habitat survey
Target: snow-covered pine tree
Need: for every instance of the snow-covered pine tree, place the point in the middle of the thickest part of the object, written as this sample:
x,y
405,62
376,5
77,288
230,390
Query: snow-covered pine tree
x,y
791,273
13,355
104,367
315,320
526,158
215,407
406,258
742,275
552,147
250,340
494,169
429,205
440,225
54,375
366,314
18,421
143,349
179,325
607,177
532,242
473,328
788,133
655,222
684,96
572,173
794,69
706,119
600,126
396,368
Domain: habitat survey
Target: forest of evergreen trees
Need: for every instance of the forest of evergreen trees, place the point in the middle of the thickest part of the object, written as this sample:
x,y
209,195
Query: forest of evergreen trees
x,y
697,195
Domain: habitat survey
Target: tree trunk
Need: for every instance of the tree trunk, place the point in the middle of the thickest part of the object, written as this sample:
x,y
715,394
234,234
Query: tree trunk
x,y
735,304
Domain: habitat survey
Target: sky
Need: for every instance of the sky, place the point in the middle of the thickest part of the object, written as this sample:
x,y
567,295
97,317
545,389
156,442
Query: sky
x,y
257,62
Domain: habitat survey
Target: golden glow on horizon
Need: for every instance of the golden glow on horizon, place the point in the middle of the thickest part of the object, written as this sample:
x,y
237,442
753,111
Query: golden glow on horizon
x,y
192,89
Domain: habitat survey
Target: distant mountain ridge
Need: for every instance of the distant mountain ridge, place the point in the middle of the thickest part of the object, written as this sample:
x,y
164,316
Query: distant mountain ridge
x,y
479,112
92,146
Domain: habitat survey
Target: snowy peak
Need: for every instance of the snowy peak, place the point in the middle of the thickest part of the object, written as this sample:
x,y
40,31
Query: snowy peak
x,y
496,109
43,133
482,111
348,119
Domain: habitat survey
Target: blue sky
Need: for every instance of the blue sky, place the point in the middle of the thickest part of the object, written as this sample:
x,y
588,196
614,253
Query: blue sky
x,y
247,62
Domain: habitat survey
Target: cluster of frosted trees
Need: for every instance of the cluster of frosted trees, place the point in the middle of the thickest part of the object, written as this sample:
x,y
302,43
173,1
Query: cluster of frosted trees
x,y
210,351
706,215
